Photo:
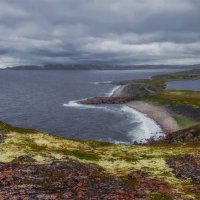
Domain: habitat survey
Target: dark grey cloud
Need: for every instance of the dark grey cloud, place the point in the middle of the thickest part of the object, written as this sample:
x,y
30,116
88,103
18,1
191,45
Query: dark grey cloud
x,y
102,31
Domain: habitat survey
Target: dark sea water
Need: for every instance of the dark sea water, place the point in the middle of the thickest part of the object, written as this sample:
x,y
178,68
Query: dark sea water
x,y
184,85
42,100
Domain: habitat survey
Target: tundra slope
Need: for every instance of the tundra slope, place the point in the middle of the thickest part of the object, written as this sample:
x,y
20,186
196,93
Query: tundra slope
x,y
37,165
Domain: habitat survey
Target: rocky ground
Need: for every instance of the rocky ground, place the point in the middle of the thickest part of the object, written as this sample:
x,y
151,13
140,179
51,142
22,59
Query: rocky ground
x,y
39,166
187,166
24,179
191,134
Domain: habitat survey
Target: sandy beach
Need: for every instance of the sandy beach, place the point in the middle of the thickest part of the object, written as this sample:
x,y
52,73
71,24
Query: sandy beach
x,y
160,115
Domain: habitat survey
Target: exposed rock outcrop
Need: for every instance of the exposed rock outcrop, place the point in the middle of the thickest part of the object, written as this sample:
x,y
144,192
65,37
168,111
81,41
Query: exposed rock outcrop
x,y
106,100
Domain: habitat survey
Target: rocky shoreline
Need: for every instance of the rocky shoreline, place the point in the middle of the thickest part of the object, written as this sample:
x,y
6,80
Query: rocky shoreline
x,y
106,100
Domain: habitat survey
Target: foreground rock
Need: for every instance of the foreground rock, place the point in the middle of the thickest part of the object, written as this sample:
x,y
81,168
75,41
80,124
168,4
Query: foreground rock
x,y
191,134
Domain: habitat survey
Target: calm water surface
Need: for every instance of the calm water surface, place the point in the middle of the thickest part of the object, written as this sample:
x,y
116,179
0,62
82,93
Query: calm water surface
x,y
184,85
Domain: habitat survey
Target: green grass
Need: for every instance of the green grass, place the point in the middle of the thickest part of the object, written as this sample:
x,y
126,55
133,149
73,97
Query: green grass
x,y
34,147
9,128
174,97
83,155
184,121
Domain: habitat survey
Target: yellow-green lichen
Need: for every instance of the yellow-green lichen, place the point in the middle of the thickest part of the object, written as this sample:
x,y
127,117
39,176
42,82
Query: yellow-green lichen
x,y
118,160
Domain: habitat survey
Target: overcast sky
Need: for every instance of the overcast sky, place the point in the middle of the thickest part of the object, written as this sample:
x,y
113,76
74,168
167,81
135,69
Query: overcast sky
x,y
99,31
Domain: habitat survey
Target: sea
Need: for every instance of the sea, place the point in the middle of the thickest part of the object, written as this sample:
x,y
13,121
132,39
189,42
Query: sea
x,y
47,101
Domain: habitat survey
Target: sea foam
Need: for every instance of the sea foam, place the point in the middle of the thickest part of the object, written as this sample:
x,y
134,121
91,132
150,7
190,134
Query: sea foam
x,y
76,104
104,82
147,128
113,90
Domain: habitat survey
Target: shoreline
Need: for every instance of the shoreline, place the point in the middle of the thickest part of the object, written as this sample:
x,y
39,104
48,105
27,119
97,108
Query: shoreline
x,y
160,115
149,129
123,94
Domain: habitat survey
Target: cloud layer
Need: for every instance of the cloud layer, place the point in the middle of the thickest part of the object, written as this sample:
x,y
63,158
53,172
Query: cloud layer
x,y
99,31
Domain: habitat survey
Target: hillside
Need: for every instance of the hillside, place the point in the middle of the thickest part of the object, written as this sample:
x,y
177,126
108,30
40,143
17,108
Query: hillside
x,y
35,164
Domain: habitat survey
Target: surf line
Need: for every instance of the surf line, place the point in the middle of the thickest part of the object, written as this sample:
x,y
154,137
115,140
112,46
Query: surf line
x,y
149,128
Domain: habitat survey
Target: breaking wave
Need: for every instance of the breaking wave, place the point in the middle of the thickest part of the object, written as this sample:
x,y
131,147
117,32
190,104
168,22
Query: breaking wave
x,y
113,90
76,104
147,128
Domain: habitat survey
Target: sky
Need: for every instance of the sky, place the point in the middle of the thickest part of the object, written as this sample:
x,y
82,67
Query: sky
x,y
99,31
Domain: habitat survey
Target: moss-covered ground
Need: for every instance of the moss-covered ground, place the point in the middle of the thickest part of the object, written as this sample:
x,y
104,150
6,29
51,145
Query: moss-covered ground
x,y
118,160
174,97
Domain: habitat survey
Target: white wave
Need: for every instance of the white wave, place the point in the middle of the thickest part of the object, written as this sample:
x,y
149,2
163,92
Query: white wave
x,y
76,104
120,142
113,90
95,83
103,82
148,127
107,82
115,141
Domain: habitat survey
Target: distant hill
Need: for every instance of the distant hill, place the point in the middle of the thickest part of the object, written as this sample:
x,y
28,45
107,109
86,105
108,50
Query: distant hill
x,y
97,67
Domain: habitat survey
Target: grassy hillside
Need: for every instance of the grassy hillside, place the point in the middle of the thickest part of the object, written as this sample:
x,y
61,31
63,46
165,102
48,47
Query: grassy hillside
x,y
176,97
143,162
